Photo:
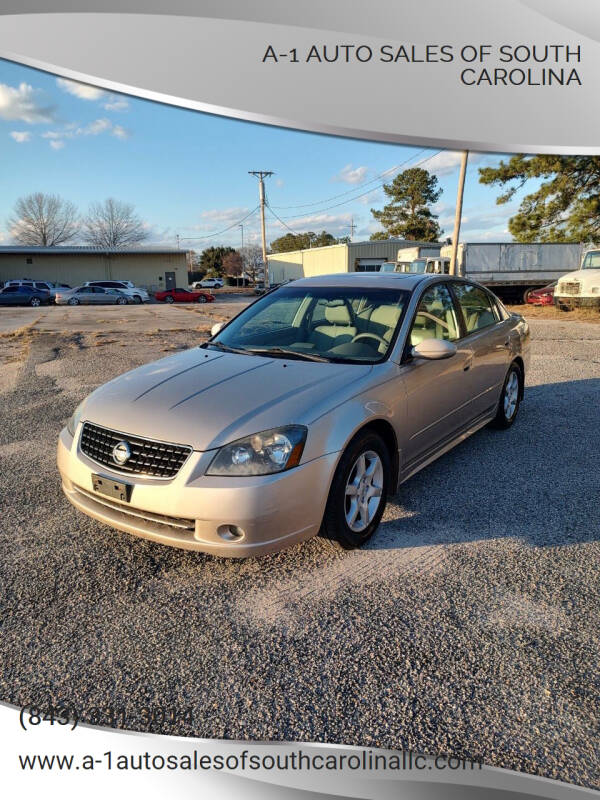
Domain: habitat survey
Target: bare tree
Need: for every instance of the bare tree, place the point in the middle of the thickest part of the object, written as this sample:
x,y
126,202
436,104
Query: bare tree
x,y
44,219
233,265
113,224
254,268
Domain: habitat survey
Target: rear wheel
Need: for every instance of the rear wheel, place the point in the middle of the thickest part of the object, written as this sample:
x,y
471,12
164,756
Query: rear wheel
x,y
168,299
526,294
121,301
359,491
35,302
202,299
510,399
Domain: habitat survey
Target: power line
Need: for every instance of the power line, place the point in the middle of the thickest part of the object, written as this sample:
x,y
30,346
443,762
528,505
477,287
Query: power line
x,y
358,196
356,188
218,233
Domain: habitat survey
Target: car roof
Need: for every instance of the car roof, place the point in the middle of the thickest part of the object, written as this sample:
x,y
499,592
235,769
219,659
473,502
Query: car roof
x,y
372,280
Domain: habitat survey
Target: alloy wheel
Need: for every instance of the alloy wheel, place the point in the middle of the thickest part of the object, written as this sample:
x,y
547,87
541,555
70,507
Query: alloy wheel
x,y
363,491
511,395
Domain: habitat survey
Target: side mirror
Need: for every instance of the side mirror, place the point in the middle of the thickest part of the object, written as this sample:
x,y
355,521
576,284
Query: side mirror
x,y
216,328
433,349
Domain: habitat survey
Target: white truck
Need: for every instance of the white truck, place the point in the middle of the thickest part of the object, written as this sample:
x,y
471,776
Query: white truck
x,y
580,288
510,269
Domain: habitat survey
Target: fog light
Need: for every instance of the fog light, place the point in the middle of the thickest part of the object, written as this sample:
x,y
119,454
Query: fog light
x,y
231,533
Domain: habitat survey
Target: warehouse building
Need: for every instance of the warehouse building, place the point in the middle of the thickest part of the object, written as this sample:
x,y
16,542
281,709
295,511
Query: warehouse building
x,y
352,257
150,267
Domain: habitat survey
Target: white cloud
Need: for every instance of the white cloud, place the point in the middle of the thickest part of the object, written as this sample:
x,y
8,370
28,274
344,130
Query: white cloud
x,y
120,132
20,136
94,128
448,161
338,224
350,174
116,103
81,90
222,217
24,103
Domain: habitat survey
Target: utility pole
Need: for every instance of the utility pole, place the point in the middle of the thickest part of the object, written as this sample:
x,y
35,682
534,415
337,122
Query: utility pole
x,y
458,213
242,253
177,237
261,175
352,227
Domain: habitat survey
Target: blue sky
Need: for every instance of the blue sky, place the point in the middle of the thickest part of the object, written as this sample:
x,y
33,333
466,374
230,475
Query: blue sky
x,y
187,173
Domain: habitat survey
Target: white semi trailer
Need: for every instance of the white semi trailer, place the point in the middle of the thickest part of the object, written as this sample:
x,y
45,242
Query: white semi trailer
x,y
510,269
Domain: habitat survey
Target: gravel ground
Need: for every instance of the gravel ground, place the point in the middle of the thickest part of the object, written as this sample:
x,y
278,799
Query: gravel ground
x,y
470,625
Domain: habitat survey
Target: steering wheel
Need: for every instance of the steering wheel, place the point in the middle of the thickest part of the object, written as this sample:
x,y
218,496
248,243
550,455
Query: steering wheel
x,y
376,336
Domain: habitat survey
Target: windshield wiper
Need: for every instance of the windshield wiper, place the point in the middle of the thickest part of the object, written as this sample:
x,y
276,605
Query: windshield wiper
x,y
283,351
226,348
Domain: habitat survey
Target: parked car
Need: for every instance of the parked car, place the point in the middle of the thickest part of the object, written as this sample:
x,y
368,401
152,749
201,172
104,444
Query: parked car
x,y
46,286
24,296
542,297
137,294
302,414
259,289
93,295
183,296
208,283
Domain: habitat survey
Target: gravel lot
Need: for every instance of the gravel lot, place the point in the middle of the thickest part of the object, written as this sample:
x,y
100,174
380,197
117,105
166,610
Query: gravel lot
x,y
471,625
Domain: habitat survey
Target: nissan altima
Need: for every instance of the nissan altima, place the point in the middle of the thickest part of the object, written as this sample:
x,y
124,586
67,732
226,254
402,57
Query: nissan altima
x,y
301,415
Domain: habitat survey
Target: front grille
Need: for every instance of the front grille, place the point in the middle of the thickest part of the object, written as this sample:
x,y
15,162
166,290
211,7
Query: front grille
x,y
570,287
158,459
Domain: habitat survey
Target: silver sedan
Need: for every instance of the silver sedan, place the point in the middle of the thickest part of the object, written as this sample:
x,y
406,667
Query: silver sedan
x,y
91,295
301,415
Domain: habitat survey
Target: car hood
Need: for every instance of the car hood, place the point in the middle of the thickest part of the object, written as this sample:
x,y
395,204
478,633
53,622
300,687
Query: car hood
x,y
205,399
586,277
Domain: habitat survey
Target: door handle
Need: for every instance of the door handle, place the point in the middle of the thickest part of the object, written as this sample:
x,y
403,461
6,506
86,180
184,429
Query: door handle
x,y
468,363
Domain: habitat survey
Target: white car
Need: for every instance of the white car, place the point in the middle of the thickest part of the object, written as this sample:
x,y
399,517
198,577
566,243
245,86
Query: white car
x,y
208,283
45,286
137,294
582,287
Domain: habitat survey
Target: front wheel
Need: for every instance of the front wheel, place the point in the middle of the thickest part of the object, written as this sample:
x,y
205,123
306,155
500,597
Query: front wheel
x,y
137,299
169,299
121,301
73,301
359,491
35,302
202,299
510,399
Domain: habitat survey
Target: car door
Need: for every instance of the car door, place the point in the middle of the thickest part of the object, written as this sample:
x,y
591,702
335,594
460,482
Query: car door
x,y
86,295
488,335
436,391
10,296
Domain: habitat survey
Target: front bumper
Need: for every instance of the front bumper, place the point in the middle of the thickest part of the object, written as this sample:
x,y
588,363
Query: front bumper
x,y
194,511
568,301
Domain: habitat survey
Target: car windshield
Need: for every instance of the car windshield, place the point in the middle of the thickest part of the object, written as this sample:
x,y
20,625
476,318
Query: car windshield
x,y
318,324
592,260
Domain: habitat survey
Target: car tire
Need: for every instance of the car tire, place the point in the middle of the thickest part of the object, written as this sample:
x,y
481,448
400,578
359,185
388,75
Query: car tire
x,y
369,453
137,299
169,299
526,295
35,302
510,398
201,299
73,301
121,301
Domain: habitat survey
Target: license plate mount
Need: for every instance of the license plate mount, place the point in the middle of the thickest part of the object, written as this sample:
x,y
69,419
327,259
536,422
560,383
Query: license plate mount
x,y
110,488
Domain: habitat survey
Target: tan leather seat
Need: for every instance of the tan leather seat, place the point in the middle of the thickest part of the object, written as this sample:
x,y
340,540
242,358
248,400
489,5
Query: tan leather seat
x,y
338,330
382,322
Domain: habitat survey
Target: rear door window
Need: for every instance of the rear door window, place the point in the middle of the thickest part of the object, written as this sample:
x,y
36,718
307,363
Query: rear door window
x,y
477,307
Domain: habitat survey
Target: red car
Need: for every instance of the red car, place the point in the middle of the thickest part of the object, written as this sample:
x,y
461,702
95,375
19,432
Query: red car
x,y
183,296
543,296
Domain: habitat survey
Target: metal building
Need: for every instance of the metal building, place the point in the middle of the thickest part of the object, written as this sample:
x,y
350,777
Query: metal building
x,y
353,257
150,267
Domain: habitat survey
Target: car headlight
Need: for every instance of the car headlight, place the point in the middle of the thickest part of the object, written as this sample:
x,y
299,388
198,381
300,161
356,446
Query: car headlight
x,y
74,420
262,453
